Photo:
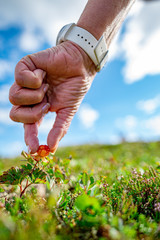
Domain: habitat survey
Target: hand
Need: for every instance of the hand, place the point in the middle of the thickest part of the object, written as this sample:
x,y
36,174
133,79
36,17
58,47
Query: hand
x,y
53,80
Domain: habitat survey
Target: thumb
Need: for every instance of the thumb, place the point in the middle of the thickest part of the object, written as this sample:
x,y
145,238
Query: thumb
x,y
60,127
31,136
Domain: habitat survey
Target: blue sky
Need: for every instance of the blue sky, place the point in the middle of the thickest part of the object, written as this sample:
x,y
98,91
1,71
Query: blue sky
x,y
124,99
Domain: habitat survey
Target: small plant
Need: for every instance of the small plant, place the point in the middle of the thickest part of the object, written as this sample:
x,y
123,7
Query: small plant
x,y
143,189
39,168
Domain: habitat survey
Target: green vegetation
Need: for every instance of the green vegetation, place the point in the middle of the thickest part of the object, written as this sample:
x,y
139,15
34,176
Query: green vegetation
x,y
84,192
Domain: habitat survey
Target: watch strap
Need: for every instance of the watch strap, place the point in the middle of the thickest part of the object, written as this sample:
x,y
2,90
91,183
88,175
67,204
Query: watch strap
x,y
97,50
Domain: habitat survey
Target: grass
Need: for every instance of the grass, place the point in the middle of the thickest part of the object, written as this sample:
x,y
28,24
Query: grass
x,y
103,192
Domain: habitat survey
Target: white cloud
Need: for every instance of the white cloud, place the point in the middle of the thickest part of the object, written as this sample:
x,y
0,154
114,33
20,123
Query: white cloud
x,y
6,67
29,41
130,122
87,115
4,93
132,136
153,124
4,116
127,123
149,106
39,17
114,50
114,139
42,19
133,129
128,128
140,44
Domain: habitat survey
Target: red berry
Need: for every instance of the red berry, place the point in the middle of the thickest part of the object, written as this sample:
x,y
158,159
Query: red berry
x,y
43,151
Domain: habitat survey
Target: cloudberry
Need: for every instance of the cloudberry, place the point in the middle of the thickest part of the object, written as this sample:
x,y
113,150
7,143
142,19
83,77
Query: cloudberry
x,y
43,151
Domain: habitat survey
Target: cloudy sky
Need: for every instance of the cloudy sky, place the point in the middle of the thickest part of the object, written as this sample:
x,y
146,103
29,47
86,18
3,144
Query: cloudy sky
x,y
124,100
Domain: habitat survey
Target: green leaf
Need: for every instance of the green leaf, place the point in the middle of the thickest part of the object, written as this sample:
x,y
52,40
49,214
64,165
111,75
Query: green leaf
x,y
45,164
85,178
50,172
13,176
90,209
84,201
38,176
27,168
66,163
91,180
1,190
16,175
26,171
66,181
59,174
30,160
63,204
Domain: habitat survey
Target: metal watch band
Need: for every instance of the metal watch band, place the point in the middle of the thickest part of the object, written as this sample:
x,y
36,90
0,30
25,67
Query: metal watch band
x,y
96,50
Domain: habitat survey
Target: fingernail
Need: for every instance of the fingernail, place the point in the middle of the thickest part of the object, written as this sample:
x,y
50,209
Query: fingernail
x,y
44,74
45,88
45,108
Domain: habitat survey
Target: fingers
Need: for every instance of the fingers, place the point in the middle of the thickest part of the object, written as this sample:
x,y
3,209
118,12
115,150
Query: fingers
x,y
26,74
26,96
29,114
60,127
31,136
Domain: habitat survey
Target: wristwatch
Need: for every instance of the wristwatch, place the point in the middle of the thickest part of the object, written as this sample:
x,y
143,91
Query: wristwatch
x,y
96,49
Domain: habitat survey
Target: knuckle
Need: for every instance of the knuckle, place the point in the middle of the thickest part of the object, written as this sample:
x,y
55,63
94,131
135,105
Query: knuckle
x,y
12,115
11,99
12,95
40,96
19,80
14,98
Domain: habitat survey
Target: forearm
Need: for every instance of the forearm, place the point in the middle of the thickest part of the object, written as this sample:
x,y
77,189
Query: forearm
x,y
104,16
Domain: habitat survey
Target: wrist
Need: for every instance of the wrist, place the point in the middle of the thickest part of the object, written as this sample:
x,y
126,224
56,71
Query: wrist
x,y
88,64
86,59
96,49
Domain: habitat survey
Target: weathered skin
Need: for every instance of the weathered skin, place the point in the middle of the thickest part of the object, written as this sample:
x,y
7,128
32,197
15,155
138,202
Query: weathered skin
x,y
55,80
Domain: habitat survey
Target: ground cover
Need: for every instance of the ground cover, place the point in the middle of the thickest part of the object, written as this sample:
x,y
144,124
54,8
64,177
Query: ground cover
x,y
84,192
